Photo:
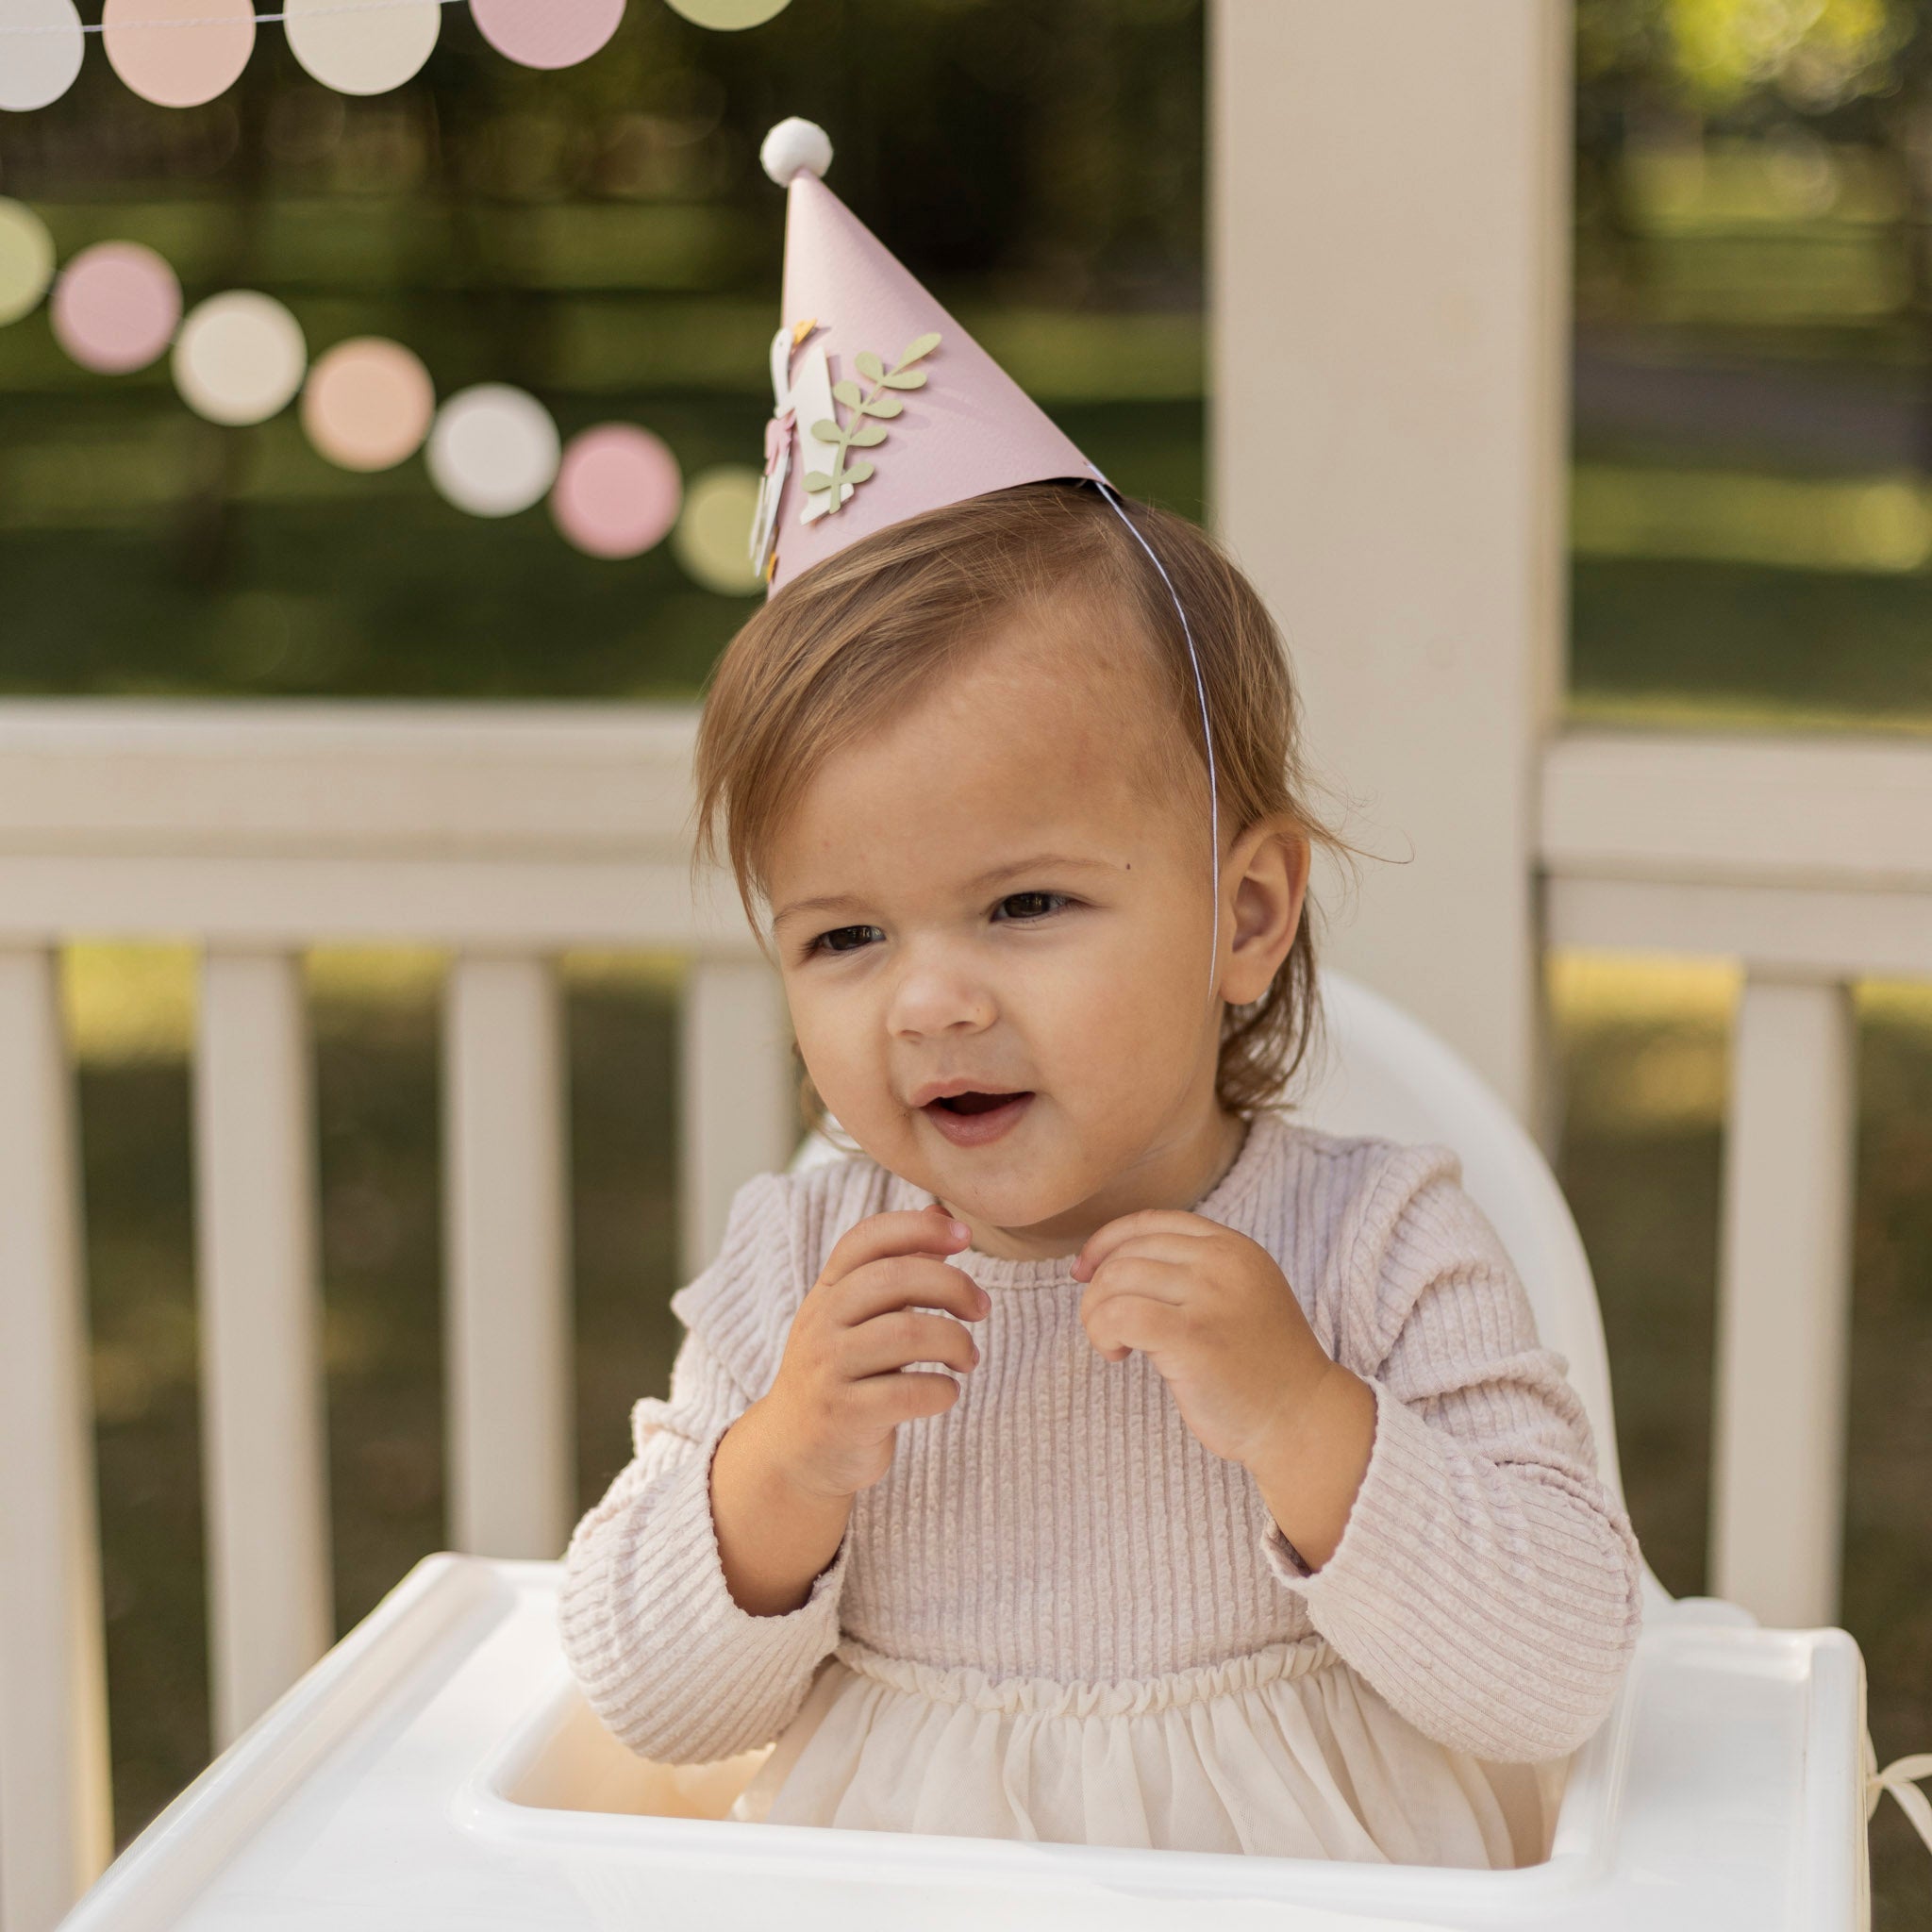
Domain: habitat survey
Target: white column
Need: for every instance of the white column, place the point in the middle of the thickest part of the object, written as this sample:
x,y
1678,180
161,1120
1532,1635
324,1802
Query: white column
x,y
264,1442
55,1820
1388,296
738,1105
1784,1314
512,1455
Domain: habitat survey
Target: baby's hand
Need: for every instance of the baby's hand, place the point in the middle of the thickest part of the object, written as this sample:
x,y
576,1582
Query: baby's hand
x,y
842,1387
1214,1314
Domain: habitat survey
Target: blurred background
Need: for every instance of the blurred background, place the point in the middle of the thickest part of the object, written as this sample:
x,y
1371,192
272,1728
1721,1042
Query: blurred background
x,y
1751,540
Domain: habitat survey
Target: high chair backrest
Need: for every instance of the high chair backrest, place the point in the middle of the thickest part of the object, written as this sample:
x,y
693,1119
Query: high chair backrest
x,y
1379,1072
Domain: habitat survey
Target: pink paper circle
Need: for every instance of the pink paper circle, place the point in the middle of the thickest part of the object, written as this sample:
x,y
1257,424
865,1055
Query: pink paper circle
x,y
618,491
162,56
116,307
547,33
368,404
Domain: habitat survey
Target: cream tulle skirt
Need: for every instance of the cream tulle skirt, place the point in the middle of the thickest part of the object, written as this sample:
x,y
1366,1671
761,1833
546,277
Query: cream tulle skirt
x,y
1285,1752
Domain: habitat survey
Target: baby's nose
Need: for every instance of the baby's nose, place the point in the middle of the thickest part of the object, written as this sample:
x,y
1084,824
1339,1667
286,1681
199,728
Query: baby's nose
x,y
937,995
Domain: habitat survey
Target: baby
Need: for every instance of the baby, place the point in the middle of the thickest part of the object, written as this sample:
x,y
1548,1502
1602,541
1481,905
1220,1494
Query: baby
x,y
1098,1455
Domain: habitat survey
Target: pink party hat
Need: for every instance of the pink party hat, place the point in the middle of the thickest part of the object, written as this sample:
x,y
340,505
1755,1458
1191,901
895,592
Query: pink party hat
x,y
884,406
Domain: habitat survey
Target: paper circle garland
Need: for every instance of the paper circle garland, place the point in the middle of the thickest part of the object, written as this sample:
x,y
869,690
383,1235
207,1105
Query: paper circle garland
x,y
239,358
493,450
26,260
43,43
547,33
178,53
727,16
618,491
361,51
367,404
713,535
115,306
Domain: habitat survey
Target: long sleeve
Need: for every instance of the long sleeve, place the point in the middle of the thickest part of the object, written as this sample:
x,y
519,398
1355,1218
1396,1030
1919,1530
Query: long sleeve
x,y
663,1653
1487,1583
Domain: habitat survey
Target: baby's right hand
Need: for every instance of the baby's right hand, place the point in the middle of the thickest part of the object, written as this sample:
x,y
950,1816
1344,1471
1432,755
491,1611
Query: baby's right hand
x,y
842,1387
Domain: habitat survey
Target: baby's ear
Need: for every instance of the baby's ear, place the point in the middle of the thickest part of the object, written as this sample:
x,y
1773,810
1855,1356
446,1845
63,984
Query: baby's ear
x,y
1268,874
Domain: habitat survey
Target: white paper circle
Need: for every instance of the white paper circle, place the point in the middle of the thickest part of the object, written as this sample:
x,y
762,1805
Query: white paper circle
x,y
26,260
41,45
240,358
364,52
494,450
712,537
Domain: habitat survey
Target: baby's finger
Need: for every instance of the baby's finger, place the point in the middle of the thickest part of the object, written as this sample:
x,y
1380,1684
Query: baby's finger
x,y
904,1395
1148,1221
1136,1274
906,1281
893,1340
908,1231
1122,1323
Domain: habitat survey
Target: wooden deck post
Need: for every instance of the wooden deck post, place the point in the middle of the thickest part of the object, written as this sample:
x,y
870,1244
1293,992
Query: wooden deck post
x,y
1388,301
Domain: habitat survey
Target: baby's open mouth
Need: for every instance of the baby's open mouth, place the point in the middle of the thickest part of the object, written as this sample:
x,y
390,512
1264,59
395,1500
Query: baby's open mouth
x,y
976,1119
974,1102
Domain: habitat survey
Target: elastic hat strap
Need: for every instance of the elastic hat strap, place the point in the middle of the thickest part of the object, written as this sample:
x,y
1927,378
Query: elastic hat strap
x,y
1113,498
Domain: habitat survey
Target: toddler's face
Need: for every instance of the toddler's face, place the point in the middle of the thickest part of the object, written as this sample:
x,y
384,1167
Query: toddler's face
x,y
993,918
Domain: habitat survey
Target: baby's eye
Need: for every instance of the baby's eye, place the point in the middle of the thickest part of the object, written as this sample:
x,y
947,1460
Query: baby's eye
x,y
846,939
1030,906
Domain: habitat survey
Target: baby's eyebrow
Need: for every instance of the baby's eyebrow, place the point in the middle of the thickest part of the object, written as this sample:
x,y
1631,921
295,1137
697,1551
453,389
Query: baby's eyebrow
x,y
836,903
1038,861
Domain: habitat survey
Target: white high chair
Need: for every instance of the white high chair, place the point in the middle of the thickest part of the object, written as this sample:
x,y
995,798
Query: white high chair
x,y
439,1769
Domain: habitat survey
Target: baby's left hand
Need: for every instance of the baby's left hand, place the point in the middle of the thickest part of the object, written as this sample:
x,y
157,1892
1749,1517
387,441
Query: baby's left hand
x,y
1215,1315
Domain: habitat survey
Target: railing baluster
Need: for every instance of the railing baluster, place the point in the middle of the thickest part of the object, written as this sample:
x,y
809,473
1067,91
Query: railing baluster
x,y
263,1443
55,1820
738,1108
512,1486
1785,1303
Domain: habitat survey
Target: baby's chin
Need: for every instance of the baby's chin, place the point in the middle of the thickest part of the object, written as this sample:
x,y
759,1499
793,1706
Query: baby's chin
x,y
1028,1184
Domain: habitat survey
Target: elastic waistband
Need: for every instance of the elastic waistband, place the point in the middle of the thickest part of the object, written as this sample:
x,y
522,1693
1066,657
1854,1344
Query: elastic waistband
x,y
960,1684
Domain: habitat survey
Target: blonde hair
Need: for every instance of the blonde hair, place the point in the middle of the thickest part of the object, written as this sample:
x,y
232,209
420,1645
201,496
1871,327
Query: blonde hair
x,y
865,633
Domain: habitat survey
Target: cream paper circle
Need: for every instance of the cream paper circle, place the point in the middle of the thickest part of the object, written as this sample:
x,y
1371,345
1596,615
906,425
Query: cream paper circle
x,y
26,260
178,53
367,404
493,450
727,16
713,536
239,358
42,44
364,52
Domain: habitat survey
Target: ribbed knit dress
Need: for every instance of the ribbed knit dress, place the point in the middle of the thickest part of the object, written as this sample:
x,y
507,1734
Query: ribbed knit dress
x,y
1059,1617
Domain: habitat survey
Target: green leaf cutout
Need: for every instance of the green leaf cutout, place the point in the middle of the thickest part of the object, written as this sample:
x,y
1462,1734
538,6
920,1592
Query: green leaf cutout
x,y
827,431
922,345
858,472
887,407
916,381
846,393
817,480
867,434
867,366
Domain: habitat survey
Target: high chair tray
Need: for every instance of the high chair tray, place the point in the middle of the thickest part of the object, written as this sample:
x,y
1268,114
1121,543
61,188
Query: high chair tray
x,y
438,1770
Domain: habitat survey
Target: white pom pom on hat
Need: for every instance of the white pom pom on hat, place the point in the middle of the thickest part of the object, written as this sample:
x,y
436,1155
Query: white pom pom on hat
x,y
795,147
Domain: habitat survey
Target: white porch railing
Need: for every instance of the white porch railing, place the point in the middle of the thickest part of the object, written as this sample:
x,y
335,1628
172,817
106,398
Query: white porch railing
x,y
505,835
508,835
